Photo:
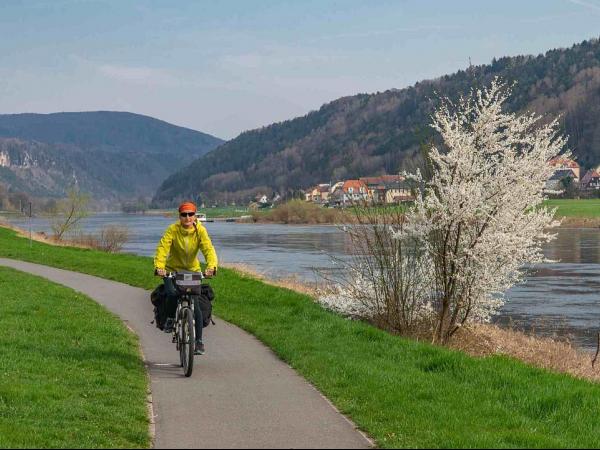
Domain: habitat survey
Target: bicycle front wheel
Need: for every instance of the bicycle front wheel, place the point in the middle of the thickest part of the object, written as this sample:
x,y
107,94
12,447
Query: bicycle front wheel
x,y
187,341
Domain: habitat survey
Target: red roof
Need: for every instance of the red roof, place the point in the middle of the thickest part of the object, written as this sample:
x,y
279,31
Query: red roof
x,y
559,161
589,175
355,184
381,179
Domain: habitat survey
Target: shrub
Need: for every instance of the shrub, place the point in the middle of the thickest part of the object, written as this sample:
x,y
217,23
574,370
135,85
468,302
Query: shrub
x,y
112,238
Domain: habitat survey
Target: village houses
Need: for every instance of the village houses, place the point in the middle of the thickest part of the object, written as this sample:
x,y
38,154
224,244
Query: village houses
x,y
394,189
561,163
591,179
384,189
318,194
565,168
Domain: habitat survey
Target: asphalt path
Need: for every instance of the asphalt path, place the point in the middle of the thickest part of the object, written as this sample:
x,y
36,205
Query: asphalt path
x,y
240,394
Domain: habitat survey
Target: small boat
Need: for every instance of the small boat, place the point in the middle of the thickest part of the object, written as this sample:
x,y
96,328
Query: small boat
x,y
201,217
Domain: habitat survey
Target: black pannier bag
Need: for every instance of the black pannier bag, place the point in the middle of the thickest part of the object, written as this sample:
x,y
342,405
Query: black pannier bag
x,y
158,299
208,292
205,299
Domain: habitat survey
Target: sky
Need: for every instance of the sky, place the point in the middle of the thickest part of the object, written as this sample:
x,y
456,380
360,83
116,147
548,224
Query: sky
x,y
224,67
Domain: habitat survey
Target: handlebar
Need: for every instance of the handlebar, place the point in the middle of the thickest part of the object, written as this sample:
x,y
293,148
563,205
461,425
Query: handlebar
x,y
172,274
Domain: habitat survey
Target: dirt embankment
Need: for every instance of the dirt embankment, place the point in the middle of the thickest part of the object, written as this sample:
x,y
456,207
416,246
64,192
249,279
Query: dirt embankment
x,y
580,222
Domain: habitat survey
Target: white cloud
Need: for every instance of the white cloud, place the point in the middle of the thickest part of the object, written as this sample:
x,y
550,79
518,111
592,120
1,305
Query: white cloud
x,y
138,75
587,4
373,33
272,57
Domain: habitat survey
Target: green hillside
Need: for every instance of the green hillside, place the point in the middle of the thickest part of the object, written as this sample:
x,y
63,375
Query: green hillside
x,y
370,134
109,154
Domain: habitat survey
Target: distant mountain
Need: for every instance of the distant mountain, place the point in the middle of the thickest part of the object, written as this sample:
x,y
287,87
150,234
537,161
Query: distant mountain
x,y
380,133
111,155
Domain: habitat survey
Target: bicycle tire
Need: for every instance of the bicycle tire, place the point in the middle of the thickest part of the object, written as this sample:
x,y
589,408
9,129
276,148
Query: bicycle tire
x,y
177,336
186,349
179,340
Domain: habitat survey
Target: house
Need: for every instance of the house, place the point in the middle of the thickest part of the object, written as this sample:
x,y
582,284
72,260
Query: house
x,y
348,192
397,192
318,194
562,163
261,201
336,187
375,186
388,189
555,182
310,193
591,180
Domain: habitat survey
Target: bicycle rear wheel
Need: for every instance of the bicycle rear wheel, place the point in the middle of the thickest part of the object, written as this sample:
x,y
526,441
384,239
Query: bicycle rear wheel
x,y
187,341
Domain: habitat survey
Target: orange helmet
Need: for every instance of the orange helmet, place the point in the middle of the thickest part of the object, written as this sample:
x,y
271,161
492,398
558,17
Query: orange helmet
x,y
187,207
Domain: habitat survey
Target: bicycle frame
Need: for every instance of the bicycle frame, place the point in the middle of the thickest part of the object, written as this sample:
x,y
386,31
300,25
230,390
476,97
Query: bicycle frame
x,y
184,301
184,329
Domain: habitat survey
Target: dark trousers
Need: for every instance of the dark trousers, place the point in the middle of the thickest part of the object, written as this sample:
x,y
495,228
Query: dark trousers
x,y
171,303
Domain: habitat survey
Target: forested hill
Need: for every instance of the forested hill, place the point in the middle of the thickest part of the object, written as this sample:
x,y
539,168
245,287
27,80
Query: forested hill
x,y
369,134
110,154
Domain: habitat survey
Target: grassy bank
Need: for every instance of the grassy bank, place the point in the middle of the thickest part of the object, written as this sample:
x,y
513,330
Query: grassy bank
x,y
301,212
575,213
587,208
70,372
298,212
401,392
211,213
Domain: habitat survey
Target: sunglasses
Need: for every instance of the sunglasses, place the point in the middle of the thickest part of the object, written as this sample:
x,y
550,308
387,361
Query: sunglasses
x,y
185,214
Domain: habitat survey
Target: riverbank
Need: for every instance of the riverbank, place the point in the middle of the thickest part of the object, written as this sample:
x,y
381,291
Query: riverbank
x,y
393,388
579,222
484,340
572,213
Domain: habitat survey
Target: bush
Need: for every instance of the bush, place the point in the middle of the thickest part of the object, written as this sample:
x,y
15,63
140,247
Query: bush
x,y
298,211
113,238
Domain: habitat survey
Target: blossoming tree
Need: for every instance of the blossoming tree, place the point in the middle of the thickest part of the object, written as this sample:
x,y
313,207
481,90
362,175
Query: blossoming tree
x,y
477,220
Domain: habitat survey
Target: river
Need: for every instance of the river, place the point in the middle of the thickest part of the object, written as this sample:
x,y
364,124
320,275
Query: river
x,y
560,299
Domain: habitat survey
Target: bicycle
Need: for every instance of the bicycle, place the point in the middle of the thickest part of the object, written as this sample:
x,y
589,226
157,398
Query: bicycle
x,y
188,285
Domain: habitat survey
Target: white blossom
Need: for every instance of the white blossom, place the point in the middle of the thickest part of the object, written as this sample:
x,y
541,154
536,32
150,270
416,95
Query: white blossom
x,y
480,216
479,220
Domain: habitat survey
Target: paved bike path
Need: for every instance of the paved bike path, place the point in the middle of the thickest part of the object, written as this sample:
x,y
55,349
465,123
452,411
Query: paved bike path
x,y
240,394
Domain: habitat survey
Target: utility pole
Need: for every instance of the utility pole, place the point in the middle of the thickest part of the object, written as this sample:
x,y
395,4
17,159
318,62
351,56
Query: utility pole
x,y
30,243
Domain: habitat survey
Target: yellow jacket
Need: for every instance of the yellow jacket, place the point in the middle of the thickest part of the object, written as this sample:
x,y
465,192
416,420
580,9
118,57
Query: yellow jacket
x,y
178,249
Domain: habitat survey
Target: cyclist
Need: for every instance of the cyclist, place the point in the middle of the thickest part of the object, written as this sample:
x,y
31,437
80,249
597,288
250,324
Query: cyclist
x,y
178,251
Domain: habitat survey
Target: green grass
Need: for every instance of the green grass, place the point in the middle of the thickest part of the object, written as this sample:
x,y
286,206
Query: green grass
x,y
70,372
224,212
211,213
588,208
401,392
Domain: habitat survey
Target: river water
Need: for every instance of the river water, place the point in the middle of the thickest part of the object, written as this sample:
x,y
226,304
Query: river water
x,y
560,299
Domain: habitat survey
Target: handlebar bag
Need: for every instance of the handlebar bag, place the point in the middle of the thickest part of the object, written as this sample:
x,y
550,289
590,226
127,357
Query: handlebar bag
x,y
188,282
